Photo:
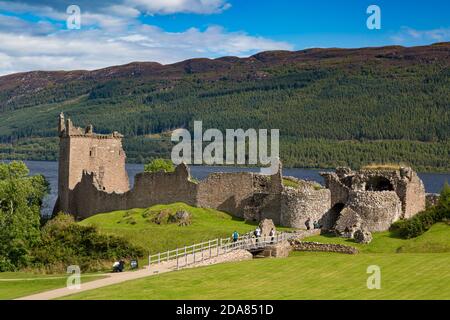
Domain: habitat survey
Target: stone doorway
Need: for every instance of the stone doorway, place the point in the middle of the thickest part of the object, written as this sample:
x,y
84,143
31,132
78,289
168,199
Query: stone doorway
x,y
379,184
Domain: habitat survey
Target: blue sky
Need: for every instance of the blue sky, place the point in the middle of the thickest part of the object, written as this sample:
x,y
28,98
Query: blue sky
x,y
319,23
34,35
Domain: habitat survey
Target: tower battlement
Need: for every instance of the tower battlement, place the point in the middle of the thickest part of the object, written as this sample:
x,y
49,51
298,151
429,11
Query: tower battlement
x,y
83,151
67,129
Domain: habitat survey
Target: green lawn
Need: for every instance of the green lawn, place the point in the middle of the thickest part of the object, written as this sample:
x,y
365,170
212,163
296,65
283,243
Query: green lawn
x,y
301,276
404,275
29,283
207,224
436,240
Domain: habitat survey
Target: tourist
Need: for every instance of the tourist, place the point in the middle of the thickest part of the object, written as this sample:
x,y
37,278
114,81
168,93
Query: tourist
x,y
308,224
257,233
116,266
235,236
121,265
272,235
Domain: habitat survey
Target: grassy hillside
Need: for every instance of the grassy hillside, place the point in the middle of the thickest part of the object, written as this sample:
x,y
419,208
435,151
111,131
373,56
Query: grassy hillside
x,y
309,275
437,240
333,106
137,227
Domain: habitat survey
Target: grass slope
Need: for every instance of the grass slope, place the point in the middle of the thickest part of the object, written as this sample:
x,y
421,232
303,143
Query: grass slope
x,y
207,224
436,240
19,284
301,276
309,275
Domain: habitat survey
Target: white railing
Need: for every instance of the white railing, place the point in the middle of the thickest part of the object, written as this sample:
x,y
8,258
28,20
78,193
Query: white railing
x,y
188,255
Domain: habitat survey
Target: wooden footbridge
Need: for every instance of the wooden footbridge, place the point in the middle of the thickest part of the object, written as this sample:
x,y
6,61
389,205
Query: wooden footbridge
x,y
190,255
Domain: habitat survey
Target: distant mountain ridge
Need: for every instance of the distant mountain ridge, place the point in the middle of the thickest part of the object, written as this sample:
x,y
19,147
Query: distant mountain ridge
x,y
35,80
319,96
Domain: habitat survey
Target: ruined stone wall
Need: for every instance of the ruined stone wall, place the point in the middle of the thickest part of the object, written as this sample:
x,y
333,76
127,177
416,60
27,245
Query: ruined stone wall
x,y
378,196
245,195
323,247
412,194
93,179
271,208
63,201
297,206
339,191
229,192
87,199
149,189
163,188
378,210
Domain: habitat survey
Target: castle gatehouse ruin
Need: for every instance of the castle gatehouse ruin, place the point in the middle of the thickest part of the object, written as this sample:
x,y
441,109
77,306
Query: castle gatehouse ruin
x,y
93,179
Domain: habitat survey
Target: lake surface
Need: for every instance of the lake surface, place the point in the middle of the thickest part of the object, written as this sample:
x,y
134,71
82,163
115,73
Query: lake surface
x,y
433,181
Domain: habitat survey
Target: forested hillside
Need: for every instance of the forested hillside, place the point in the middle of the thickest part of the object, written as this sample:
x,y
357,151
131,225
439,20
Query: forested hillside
x,y
332,106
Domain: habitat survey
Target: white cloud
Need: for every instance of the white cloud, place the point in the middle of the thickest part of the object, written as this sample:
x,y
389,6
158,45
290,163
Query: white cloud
x,y
121,7
93,49
412,36
38,10
179,6
112,34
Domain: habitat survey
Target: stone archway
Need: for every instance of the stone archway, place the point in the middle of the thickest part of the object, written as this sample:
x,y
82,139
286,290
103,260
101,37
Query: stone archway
x,y
329,219
378,183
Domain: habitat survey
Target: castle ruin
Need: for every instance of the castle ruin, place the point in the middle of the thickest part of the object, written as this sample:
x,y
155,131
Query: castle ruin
x,y
93,179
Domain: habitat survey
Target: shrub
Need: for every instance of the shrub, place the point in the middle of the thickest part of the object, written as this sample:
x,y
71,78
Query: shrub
x,y
423,221
159,165
290,183
20,201
66,243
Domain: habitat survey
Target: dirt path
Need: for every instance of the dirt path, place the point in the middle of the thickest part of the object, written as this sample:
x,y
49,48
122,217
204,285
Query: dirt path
x,y
203,259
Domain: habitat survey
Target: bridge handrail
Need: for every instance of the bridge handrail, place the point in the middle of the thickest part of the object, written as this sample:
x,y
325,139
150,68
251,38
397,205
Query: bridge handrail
x,y
216,248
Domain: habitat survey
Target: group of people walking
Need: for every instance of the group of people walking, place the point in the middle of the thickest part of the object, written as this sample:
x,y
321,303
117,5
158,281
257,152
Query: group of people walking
x,y
256,234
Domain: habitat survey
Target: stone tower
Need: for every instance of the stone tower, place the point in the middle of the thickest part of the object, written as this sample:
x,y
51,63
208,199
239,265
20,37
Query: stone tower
x,y
82,150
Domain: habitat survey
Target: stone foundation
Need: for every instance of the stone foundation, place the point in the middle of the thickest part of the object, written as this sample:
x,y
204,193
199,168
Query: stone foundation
x,y
280,250
323,247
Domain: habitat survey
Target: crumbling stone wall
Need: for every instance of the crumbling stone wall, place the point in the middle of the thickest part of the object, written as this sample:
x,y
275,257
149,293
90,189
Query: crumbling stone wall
x,y
299,205
379,197
411,191
93,179
378,210
229,192
88,199
163,188
322,247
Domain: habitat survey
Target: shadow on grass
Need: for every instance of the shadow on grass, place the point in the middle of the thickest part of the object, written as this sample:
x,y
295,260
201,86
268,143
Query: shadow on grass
x,y
395,234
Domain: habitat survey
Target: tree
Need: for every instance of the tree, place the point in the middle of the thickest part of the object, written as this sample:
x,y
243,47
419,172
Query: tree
x,y
20,202
443,207
159,165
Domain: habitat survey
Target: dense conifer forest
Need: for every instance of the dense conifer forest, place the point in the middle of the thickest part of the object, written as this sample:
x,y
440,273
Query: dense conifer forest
x,y
333,106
